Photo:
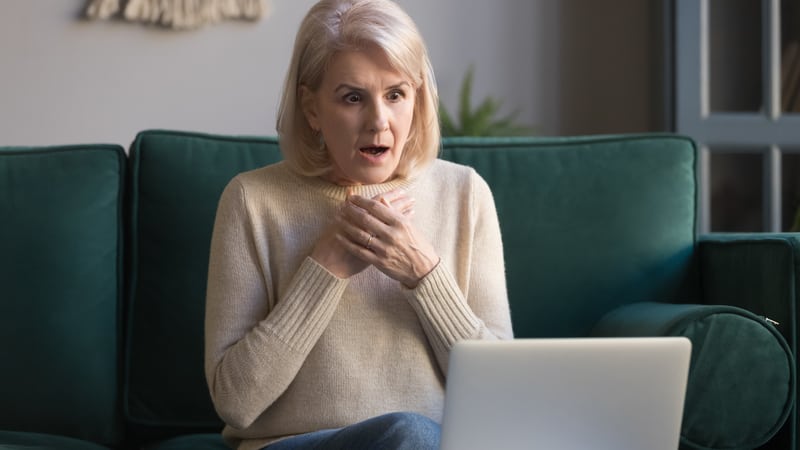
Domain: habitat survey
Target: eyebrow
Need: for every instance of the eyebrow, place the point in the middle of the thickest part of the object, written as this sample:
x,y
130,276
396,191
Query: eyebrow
x,y
350,87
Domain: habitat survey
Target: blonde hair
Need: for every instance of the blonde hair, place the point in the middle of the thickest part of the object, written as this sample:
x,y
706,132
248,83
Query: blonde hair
x,y
331,26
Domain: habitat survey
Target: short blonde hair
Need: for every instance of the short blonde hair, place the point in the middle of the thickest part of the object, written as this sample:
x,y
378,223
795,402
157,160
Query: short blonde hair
x,y
331,26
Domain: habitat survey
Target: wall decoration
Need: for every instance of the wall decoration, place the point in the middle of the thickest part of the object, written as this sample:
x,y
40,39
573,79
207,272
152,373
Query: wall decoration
x,y
177,14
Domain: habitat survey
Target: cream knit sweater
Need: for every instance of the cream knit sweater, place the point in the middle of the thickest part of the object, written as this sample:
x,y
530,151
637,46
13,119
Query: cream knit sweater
x,y
290,348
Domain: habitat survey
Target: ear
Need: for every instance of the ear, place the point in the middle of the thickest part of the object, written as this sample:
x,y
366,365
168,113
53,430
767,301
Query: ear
x,y
309,106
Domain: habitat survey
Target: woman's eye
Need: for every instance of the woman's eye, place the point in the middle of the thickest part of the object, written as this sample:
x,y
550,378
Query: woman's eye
x,y
352,98
395,95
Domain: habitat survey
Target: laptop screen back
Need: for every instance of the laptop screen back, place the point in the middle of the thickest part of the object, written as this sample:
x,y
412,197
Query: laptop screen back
x,y
616,394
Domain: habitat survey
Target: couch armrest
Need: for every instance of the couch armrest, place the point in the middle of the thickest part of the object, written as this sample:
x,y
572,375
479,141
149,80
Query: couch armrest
x,y
741,385
754,271
758,272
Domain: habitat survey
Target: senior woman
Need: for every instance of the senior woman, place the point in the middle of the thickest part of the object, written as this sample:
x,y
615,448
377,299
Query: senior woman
x,y
341,277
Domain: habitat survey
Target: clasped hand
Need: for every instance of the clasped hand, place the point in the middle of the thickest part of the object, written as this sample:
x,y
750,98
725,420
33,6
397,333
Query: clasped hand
x,y
376,231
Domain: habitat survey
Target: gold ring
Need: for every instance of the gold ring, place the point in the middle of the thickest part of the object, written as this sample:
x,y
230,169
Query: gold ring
x,y
369,240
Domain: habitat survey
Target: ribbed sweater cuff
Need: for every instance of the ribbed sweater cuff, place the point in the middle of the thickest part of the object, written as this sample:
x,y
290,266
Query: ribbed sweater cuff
x,y
441,305
305,311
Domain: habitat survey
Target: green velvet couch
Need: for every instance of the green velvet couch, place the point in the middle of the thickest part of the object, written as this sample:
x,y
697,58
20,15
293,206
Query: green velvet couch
x,y
103,259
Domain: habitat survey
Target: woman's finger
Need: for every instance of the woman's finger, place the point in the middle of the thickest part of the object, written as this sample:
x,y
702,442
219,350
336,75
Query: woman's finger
x,y
367,208
359,251
388,198
398,200
356,234
404,205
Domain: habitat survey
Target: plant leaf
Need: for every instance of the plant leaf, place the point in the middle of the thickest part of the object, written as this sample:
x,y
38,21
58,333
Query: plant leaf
x,y
482,121
446,122
465,105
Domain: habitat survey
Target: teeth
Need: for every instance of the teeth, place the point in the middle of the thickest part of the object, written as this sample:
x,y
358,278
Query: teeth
x,y
374,150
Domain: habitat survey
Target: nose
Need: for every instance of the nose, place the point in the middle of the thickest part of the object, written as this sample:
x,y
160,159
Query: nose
x,y
379,118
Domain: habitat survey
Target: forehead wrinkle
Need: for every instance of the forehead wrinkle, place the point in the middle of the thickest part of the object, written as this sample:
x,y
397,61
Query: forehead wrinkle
x,y
352,87
379,71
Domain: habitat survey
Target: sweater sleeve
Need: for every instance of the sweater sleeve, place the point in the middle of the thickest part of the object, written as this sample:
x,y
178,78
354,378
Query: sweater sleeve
x,y
481,311
252,353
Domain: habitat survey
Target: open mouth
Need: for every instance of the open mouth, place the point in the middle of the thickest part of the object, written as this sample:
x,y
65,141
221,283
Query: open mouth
x,y
374,150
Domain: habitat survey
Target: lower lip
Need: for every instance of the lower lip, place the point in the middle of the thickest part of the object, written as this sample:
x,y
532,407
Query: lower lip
x,y
374,158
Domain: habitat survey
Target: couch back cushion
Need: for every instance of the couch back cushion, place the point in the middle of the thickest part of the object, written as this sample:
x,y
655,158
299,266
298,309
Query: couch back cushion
x,y
175,183
588,223
60,284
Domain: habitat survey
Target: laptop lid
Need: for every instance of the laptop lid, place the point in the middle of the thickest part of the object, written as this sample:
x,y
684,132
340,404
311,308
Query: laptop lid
x,y
566,394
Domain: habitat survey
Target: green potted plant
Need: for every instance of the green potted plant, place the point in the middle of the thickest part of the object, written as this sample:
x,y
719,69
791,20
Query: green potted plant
x,y
481,121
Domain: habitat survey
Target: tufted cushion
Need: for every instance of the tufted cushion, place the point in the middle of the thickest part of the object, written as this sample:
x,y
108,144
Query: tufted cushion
x,y
734,400
580,233
175,183
60,278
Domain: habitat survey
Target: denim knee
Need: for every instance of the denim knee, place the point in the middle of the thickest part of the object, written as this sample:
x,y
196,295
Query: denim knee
x,y
405,430
393,431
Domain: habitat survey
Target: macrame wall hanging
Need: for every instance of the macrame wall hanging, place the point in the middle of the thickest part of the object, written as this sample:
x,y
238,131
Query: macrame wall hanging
x,y
177,14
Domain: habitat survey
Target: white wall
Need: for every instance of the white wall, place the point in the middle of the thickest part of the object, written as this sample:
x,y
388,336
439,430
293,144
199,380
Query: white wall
x,y
66,80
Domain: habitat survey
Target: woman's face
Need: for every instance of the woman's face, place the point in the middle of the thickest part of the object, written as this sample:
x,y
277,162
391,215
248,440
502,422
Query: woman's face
x,y
363,108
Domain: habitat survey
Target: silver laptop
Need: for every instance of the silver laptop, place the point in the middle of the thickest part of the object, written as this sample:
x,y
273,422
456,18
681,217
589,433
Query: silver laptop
x,y
566,394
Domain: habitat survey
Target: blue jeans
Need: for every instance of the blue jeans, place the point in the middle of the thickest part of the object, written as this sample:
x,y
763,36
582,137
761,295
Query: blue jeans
x,y
394,431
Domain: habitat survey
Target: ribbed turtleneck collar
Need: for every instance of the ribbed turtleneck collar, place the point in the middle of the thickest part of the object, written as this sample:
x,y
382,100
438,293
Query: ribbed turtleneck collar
x,y
365,190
